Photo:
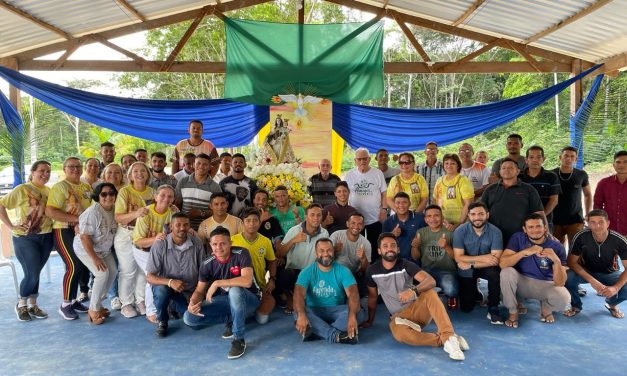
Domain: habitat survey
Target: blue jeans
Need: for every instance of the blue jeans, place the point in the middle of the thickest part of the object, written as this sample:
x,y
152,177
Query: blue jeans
x,y
608,279
235,307
32,251
328,322
445,280
163,295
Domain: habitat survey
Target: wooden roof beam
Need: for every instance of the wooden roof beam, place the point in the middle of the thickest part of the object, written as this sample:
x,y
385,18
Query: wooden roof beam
x,y
469,12
33,19
63,58
131,9
140,60
470,56
412,39
190,30
577,16
524,54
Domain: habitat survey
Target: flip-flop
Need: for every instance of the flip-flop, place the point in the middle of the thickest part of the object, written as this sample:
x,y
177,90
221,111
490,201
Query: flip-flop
x,y
615,311
547,319
572,312
511,324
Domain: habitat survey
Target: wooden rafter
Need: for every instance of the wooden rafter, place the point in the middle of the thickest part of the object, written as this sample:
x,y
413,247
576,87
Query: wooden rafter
x,y
190,30
469,12
470,56
584,12
521,50
301,12
131,9
412,39
140,60
614,63
34,19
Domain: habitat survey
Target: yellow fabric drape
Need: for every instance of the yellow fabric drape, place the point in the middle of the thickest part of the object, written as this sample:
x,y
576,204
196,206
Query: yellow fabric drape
x,y
337,150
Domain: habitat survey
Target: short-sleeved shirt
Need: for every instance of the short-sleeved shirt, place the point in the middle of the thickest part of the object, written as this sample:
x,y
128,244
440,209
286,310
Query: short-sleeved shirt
x,y
184,147
100,225
547,184
510,206
325,289
181,174
195,195
390,282
302,254
151,224
431,175
271,229
323,191
599,258
231,223
70,198
450,195
569,209
129,200
465,238
347,256
521,161
408,228
365,192
390,173
611,196
432,256
287,219
415,187
165,180
239,193
168,260
213,269
340,214
260,251
478,174
30,202
535,266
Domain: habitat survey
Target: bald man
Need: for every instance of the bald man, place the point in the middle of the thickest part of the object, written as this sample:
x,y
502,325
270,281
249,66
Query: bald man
x,y
322,185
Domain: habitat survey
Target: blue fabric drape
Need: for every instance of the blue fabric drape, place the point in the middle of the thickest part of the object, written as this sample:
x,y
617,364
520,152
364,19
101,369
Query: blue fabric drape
x,y
227,123
409,129
15,127
580,120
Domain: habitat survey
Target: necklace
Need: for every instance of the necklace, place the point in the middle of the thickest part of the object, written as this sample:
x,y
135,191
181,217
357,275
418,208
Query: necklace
x,y
559,173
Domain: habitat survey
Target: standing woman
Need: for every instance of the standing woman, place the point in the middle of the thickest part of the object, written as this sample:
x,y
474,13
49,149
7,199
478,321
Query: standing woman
x,y
453,192
410,182
131,204
93,247
67,200
32,236
91,172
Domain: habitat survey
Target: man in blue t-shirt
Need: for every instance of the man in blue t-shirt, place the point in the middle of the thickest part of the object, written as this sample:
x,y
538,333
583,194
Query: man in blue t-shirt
x,y
404,224
532,267
325,286
226,280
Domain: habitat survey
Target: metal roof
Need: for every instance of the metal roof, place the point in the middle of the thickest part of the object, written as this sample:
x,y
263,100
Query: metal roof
x,y
595,36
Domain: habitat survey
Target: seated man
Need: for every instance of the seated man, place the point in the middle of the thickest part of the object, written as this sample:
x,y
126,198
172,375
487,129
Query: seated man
x,y
404,224
478,245
432,246
593,259
411,306
353,250
262,255
172,269
226,281
219,217
326,286
532,268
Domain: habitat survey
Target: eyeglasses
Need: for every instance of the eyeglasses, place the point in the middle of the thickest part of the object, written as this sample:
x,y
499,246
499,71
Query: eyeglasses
x,y
108,193
74,167
362,159
405,162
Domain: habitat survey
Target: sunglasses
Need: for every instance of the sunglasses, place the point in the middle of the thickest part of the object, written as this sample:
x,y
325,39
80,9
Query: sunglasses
x,y
108,193
405,162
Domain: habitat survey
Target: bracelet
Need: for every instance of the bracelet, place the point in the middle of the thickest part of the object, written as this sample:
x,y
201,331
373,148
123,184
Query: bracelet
x,y
169,283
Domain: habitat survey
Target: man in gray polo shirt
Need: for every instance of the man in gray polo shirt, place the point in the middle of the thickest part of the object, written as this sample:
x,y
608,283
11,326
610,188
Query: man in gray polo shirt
x,y
172,269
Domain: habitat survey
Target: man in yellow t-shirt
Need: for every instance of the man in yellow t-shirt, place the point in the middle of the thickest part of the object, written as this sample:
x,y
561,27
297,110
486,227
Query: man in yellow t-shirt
x,y
263,259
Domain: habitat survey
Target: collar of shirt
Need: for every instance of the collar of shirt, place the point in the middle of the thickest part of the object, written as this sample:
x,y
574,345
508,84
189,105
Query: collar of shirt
x,y
315,233
185,246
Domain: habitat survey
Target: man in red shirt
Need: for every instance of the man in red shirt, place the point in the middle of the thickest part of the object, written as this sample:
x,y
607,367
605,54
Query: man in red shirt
x,y
611,194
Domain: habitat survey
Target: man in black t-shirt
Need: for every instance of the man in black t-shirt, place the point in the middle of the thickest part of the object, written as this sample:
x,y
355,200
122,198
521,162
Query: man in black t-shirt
x,y
545,182
593,259
270,226
226,280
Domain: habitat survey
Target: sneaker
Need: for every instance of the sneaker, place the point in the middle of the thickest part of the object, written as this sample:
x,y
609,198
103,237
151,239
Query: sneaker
x,y
172,312
162,329
463,344
345,339
128,311
495,316
116,303
228,331
238,347
68,312
141,308
22,313
451,346
79,307
83,297
452,303
37,312
411,324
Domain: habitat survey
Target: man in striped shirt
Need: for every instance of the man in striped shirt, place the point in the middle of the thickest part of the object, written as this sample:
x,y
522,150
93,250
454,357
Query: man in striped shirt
x,y
432,169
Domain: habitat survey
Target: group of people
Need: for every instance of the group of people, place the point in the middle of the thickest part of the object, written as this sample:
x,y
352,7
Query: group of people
x,y
204,244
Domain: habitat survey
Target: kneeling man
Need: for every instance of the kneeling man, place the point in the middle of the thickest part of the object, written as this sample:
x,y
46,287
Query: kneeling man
x,y
532,267
325,285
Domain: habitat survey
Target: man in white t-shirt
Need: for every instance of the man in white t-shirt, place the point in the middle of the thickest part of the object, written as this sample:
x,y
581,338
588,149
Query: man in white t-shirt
x,y
368,194
475,171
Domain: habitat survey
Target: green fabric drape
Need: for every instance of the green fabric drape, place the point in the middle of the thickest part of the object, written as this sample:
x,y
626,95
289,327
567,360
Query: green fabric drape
x,y
340,62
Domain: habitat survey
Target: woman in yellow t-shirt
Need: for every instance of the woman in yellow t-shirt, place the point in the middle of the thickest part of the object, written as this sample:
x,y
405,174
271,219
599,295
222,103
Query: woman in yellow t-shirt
x,y
68,199
453,192
410,182
113,174
32,235
131,204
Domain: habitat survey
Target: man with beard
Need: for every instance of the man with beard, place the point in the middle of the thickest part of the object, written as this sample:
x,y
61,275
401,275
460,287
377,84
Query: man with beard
x,y
353,250
194,144
478,245
158,175
532,267
326,286
107,153
238,187
411,306
514,146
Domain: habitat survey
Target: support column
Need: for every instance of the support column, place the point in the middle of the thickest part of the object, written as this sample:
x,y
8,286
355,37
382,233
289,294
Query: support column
x,y
14,97
576,89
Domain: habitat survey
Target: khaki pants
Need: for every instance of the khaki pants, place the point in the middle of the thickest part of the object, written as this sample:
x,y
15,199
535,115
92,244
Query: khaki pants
x,y
516,286
428,306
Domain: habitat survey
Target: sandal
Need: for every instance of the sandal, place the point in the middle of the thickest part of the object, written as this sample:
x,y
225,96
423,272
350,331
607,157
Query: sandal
x,y
548,319
522,310
572,312
512,321
615,311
